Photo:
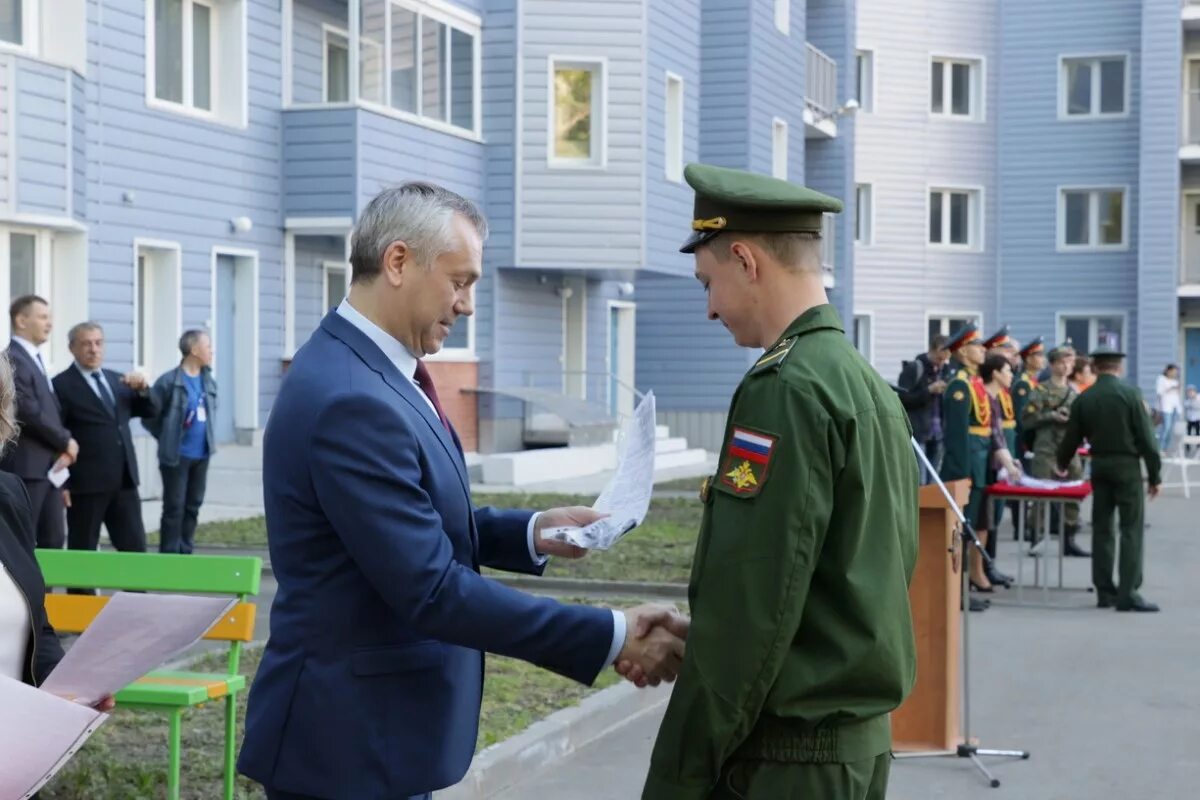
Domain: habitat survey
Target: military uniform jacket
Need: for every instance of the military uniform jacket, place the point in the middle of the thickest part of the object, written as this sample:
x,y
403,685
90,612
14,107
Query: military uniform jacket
x,y
1111,416
1008,420
967,429
1039,418
801,639
1022,392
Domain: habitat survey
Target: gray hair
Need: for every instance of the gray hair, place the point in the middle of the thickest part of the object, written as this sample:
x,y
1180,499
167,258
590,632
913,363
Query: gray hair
x,y
416,213
8,404
189,339
82,327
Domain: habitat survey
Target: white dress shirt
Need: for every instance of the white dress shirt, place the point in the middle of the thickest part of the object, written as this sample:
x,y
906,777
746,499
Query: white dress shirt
x,y
14,627
91,382
406,363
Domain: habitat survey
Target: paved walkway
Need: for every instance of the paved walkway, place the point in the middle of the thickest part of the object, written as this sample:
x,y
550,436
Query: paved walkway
x,y
1108,703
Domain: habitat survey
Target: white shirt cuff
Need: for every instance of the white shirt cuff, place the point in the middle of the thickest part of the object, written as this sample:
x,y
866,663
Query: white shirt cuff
x,y
618,641
534,556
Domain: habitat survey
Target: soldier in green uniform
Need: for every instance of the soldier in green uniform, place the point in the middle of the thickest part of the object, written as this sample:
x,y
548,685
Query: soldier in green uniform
x,y
1112,417
967,430
1033,361
801,639
1045,418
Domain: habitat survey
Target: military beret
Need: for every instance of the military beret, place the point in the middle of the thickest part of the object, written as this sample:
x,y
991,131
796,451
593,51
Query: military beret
x,y
1036,345
746,202
997,339
968,334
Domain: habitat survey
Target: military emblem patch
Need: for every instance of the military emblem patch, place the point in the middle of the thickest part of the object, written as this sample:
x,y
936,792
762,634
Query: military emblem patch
x,y
959,395
746,460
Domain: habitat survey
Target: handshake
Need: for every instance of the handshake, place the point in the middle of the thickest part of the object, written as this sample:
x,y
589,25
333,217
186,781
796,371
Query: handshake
x,y
653,650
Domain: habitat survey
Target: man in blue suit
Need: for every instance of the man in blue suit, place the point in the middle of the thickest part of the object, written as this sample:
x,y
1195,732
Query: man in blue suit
x,y
370,685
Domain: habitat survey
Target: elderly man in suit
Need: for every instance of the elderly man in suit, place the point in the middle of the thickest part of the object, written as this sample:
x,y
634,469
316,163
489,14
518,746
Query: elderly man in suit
x,y
43,443
97,405
370,685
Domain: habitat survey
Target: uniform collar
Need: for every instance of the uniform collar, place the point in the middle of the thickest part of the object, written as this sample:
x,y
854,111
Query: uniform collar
x,y
815,319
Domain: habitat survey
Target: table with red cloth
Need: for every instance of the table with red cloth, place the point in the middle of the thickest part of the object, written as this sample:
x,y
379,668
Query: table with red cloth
x,y
1042,500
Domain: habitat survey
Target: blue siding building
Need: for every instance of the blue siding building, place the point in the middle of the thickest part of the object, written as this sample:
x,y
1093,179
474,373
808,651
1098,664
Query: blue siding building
x,y
167,164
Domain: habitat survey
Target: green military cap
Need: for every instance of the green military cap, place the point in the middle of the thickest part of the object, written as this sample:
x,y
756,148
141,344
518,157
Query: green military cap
x,y
1107,353
1060,352
967,334
1037,345
736,200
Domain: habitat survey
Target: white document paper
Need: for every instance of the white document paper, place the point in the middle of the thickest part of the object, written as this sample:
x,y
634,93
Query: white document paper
x,y
626,498
1039,483
58,478
38,735
132,634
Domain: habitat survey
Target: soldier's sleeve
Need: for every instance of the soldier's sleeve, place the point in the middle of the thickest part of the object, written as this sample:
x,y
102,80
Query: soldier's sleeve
x,y
768,521
1146,442
956,416
1073,437
1037,412
1023,393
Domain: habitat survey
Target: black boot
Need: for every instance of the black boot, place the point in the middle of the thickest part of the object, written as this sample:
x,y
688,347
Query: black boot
x,y
1069,546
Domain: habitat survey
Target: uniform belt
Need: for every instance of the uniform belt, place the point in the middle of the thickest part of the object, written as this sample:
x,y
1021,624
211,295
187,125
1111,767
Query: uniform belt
x,y
1009,424
979,430
788,741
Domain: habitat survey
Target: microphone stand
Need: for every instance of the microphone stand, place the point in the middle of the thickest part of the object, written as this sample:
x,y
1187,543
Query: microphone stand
x,y
969,539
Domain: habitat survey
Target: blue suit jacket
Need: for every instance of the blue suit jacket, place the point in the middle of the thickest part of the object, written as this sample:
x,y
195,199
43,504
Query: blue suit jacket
x,y
370,685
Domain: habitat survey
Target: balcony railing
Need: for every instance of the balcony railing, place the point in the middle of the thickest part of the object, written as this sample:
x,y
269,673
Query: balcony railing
x,y
820,89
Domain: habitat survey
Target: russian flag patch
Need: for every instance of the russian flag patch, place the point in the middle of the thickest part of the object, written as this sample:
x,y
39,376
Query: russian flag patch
x,y
746,460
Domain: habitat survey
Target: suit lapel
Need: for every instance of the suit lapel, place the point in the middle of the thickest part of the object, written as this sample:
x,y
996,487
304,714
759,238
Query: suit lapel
x,y
87,389
337,326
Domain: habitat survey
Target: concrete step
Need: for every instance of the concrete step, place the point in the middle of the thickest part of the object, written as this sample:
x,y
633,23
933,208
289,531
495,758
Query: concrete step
x,y
671,445
680,458
536,466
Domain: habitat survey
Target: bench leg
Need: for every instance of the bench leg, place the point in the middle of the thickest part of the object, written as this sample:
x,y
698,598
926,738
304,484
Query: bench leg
x,y
173,767
230,733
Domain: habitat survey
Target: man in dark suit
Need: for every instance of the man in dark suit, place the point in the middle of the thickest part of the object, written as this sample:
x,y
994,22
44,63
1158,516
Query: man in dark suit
x,y
44,442
97,404
370,685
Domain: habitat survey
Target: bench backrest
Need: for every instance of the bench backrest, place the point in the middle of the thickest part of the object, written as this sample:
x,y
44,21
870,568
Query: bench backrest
x,y
238,576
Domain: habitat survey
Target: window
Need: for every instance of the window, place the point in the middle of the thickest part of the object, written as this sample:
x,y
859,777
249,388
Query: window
x,y
779,149
863,336
956,88
864,216
337,66
22,259
196,58
954,218
864,61
673,129
1087,332
335,284
1093,87
783,14
157,301
1092,219
577,118
828,242
12,22
947,324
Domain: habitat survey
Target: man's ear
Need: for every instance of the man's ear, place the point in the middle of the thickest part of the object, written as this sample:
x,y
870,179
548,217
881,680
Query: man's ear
x,y
397,261
742,253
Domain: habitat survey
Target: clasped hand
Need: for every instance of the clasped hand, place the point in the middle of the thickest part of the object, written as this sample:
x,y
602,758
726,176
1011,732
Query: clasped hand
x,y
654,645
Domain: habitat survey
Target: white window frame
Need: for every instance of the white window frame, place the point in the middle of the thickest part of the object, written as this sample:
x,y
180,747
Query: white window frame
x,y
1095,59
326,268
865,67
779,148
1060,325
30,27
783,16
42,267
461,354
328,30
864,229
221,71
65,46
978,87
1093,210
829,242
945,317
673,125
975,217
145,247
598,65
869,316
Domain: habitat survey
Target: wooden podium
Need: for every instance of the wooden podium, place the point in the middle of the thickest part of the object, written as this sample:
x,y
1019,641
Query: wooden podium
x,y
930,719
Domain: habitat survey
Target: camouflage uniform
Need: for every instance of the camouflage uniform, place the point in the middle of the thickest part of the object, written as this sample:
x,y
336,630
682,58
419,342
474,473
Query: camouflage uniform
x,y
1048,432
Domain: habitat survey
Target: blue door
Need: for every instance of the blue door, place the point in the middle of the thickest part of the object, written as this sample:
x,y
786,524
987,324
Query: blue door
x,y
226,304
1191,349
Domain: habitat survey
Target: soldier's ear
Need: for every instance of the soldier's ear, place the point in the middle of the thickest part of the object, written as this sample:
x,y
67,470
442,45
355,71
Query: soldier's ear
x,y
743,255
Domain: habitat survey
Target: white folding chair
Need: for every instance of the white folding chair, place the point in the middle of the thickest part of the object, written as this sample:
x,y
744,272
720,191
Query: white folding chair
x,y
1181,460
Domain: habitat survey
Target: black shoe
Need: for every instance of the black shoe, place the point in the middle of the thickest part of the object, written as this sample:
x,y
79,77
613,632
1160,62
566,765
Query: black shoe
x,y
1138,605
996,577
979,605
1106,601
1072,550
975,587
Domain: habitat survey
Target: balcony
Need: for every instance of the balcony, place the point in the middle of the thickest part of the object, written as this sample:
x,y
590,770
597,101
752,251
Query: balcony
x,y
820,95
1189,150
1190,15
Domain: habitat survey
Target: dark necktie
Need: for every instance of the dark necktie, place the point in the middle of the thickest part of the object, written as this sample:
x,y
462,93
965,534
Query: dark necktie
x,y
425,382
42,365
105,393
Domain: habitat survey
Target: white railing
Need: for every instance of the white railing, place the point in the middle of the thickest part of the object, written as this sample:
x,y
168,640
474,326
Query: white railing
x,y
820,83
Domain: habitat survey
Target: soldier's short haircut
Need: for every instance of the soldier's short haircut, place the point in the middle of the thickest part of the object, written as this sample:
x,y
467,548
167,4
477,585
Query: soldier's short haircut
x,y
799,251
23,304
938,342
188,340
82,327
417,213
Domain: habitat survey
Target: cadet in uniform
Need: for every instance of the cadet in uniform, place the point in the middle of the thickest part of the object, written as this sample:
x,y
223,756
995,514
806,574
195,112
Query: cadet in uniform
x,y
1112,417
1033,361
1045,418
1004,345
967,427
801,639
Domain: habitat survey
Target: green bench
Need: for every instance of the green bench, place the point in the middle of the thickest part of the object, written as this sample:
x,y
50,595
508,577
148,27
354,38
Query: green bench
x,y
169,691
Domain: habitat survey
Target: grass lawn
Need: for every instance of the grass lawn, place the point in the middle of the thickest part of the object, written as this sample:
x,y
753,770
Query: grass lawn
x,y
660,551
127,758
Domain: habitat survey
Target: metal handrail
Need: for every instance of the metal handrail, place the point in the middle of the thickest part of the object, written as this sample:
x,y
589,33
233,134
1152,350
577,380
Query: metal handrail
x,y
820,81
